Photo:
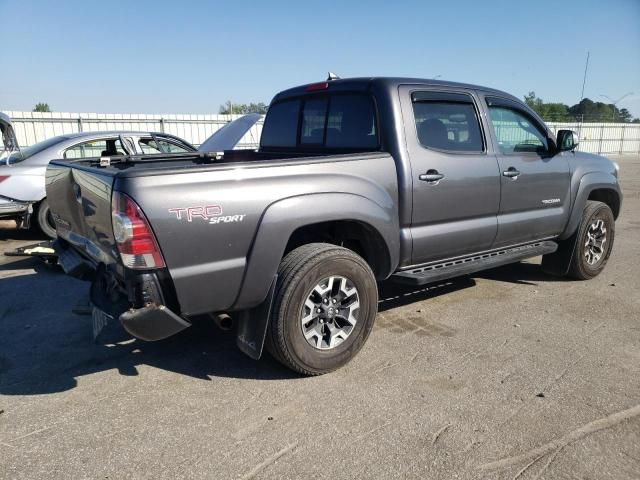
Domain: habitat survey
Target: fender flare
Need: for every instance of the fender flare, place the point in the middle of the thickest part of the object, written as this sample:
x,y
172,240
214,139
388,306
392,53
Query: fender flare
x,y
285,216
588,183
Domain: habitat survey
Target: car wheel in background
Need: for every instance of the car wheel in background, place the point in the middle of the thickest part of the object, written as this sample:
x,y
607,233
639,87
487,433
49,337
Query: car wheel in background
x,y
324,308
43,220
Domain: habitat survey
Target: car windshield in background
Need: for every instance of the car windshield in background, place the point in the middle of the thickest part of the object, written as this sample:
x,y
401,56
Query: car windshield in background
x,y
26,152
340,121
156,145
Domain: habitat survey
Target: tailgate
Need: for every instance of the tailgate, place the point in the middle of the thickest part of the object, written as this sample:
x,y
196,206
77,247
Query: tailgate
x,y
80,201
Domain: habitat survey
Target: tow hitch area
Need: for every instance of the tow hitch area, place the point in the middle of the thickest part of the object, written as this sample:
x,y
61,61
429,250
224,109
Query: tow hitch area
x,y
145,316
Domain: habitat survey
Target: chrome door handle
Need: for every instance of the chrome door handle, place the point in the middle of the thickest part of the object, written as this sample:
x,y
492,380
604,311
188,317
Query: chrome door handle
x,y
511,172
431,176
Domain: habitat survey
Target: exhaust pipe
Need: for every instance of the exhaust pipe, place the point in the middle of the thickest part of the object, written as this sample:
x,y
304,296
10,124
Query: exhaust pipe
x,y
223,321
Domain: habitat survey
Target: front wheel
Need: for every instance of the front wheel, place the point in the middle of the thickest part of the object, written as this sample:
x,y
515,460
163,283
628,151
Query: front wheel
x,y
594,241
324,308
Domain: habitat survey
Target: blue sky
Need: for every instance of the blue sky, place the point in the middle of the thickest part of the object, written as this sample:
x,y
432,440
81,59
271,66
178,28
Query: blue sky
x,y
191,56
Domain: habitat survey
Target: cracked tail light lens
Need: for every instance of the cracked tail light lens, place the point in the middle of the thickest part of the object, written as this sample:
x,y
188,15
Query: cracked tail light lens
x,y
136,242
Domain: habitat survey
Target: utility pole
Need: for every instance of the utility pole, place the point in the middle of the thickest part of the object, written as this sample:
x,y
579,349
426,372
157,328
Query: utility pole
x,y
584,79
615,103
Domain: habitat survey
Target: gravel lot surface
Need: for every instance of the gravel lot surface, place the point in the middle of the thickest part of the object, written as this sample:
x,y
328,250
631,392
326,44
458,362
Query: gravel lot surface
x,y
505,374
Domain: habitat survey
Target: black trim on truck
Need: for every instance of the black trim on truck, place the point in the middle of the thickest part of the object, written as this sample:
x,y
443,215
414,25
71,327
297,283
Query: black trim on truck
x,y
154,322
139,301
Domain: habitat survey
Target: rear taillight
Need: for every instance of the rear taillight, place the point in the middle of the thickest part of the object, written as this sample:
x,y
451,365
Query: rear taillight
x,y
135,240
3,178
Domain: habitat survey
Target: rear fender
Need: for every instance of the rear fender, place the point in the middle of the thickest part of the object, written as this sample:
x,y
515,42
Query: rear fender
x,y
282,218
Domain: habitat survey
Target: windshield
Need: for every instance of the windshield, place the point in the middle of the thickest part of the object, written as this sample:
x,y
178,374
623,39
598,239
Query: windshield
x,y
12,157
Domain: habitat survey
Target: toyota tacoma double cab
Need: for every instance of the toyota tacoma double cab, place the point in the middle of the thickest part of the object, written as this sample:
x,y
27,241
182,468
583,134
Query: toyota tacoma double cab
x,y
355,181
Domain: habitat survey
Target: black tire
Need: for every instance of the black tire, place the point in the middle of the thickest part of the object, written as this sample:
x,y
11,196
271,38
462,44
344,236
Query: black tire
x,y
44,220
580,268
299,272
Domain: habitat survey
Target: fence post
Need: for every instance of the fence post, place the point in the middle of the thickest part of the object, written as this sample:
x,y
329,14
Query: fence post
x,y
622,141
80,124
162,124
600,143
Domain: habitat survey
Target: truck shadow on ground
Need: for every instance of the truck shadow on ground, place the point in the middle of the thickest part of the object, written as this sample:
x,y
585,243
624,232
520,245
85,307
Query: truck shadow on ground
x,y
44,348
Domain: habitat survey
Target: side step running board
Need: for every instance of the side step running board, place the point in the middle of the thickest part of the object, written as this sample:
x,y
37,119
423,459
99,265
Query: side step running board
x,y
475,263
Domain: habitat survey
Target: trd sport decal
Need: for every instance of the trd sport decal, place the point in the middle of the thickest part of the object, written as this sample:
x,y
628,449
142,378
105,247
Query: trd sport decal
x,y
209,213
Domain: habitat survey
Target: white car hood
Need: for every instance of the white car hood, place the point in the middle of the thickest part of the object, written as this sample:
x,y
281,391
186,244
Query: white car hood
x,y
228,136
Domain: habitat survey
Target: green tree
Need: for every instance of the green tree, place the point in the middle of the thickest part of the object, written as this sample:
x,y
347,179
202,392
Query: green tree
x,y
587,111
550,112
625,116
242,108
591,111
41,107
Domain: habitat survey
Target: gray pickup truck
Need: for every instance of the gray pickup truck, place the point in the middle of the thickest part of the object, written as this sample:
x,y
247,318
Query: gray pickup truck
x,y
355,181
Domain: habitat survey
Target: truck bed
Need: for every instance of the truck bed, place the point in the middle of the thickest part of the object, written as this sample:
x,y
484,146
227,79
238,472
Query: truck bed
x,y
240,190
132,165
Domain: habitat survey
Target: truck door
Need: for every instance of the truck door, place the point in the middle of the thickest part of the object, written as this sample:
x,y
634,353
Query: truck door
x,y
535,182
455,179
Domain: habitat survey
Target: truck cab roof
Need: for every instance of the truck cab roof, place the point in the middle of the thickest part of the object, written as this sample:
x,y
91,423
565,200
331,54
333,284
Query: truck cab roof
x,y
382,83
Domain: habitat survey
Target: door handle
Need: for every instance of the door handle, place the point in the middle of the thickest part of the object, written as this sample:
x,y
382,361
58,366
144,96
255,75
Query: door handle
x,y
432,176
511,172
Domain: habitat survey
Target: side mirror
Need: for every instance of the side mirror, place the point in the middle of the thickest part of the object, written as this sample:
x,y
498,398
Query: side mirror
x,y
567,140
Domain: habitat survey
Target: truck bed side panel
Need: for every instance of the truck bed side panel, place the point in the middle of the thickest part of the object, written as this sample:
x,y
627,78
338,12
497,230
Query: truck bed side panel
x,y
206,219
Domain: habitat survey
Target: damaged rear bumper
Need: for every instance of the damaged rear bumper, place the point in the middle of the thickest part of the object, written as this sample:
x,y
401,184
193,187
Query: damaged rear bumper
x,y
138,302
153,322
10,208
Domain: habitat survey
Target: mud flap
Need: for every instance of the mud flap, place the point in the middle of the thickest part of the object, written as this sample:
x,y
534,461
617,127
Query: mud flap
x,y
253,324
558,263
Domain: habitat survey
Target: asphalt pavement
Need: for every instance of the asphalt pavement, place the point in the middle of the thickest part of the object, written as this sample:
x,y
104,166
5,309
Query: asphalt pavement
x,y
509,373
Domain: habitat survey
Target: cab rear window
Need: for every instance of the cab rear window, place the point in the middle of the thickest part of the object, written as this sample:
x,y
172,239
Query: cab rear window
x,y
331,122
281,125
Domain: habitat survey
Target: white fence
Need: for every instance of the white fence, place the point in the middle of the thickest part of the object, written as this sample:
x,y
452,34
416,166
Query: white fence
x,y
604,137
33,127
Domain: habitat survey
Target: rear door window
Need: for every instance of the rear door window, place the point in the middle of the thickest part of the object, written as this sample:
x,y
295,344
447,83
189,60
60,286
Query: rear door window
x,y
447,122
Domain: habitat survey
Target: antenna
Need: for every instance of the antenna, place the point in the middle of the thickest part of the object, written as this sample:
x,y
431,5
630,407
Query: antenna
x,y
332,76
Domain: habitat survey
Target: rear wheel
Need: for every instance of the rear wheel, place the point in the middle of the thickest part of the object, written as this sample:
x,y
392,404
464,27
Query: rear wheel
x,y
324,308
594,241
44,220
